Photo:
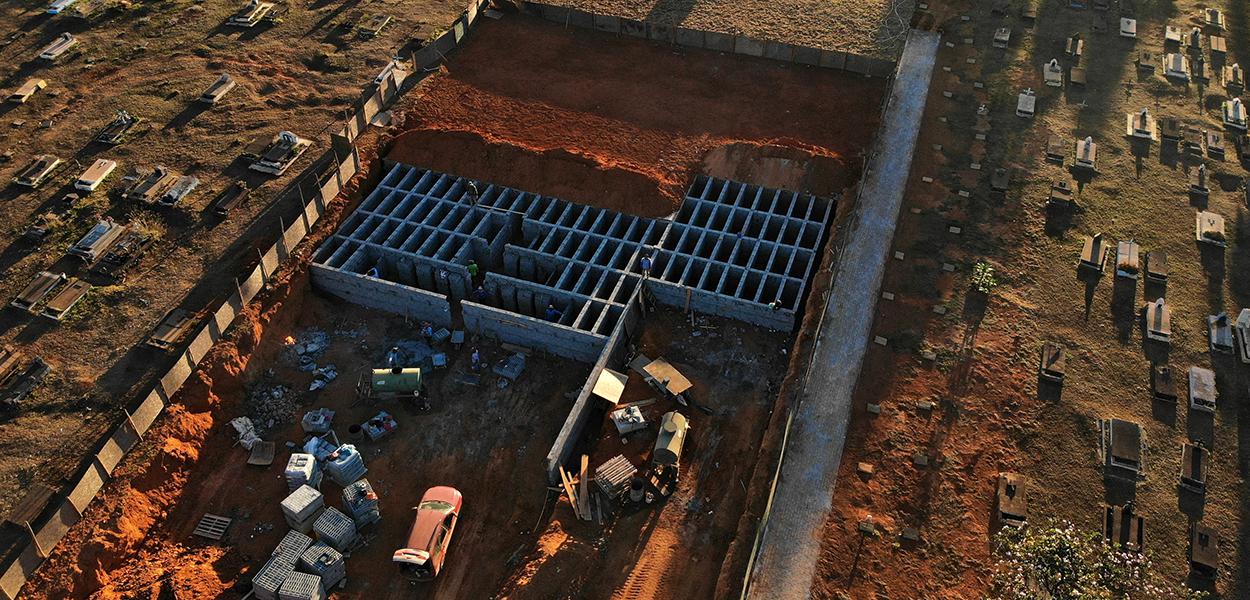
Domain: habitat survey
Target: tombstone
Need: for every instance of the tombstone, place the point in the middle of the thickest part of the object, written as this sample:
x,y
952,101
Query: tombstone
x,y
1170,129
1157,267
1176,66
1146,61
1124,528
1051,365
1141,125
1094,253
1202,393
1159,321
1061,194
1204,555
1127,262
1002,37
1124,442
1074,48
1220,333
1194,463
1234,114
1052,73
1198,183
1172,35
1163,384
1087,154
1026,103
1013,499
1209,229
1077,76
1056,149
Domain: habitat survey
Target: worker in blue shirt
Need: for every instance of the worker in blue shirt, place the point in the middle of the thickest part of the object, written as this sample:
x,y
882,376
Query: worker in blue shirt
x,y
645,264
553,313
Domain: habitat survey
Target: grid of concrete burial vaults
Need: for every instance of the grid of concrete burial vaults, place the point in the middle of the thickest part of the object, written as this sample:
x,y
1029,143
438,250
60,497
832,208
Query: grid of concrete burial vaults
x,y
732,249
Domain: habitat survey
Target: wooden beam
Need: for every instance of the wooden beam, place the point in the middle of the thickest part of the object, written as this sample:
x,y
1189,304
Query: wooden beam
x,y
568,489
583,493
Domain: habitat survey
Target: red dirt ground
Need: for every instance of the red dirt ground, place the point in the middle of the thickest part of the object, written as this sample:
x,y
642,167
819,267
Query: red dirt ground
x,y
622,123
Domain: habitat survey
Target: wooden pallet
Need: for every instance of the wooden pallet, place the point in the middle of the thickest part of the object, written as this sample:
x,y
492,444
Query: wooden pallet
x,y
212,526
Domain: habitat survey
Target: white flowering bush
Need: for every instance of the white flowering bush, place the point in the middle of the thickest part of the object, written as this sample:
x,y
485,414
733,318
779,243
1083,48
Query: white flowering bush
x,y
1056,561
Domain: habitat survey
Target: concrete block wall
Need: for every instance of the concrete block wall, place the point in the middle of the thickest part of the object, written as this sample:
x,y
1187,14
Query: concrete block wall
x,y
616,351
507,326
732,249
383,295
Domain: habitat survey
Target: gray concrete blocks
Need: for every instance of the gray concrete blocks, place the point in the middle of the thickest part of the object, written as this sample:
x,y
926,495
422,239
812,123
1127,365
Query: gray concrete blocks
x,y
581,18
748,46
779,51
832,59
719,42
732,249
607,23
634,28
689,37
807,56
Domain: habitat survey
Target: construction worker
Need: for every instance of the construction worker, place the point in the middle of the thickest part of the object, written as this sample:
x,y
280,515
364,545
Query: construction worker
x,y
427,330
476,357
480,294
553,313
473,194
473,269
394,358
645,264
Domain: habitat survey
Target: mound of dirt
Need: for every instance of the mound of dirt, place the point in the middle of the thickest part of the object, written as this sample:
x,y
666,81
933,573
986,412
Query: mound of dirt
x,y
625,124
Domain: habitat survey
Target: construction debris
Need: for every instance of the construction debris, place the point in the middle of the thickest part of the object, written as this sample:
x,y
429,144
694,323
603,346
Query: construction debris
x,y
270,405
246,432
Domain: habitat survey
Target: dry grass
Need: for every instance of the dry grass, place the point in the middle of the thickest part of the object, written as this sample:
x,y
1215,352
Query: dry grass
x,y
871,28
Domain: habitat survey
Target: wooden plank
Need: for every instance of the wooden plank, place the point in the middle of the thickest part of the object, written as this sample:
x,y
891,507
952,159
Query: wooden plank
x,y
583,496
639,404
568,489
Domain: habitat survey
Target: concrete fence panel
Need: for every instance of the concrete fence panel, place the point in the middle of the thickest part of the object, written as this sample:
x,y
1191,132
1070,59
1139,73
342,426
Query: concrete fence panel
x,y
880,68
295,233
227,312
607,23
660,32
634,28
445,43
470,14
719,42
690,37
832,59
459,30
57,526
581,18
857,64
748,46
555,14
251,286
201,344
779,51
15,576
115,448
807,56
269,261
176,376
88,485
426,58
147,412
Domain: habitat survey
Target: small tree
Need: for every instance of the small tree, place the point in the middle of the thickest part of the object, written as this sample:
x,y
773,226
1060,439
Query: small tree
x,y
983,277
1058,562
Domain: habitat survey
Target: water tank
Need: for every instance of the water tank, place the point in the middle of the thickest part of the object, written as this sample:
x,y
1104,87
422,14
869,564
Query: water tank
x,y
672,436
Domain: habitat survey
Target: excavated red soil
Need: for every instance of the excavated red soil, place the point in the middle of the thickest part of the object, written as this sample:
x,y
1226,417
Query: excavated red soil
x,y
120,549
623,123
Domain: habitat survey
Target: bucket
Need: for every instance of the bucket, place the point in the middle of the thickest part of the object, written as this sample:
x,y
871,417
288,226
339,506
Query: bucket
x,y
355,432
637,489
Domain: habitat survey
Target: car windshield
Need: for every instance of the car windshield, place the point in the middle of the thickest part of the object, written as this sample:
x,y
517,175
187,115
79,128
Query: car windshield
x,y
435,505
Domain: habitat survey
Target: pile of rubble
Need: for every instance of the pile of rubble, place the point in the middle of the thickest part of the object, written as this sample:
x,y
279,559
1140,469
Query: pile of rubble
x,y
270,404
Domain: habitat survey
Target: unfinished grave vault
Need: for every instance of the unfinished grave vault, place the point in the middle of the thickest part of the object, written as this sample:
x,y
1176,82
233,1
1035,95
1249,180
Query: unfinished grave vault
x,y
732,249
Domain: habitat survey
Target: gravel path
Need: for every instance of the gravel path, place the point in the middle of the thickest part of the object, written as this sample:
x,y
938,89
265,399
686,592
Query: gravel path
x,y
868,27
